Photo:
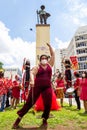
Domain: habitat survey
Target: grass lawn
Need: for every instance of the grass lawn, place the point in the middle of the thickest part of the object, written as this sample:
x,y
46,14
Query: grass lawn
x,y
65,119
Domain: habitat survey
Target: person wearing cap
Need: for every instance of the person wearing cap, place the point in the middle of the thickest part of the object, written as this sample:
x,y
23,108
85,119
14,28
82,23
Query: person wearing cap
x,y
77,89
40,82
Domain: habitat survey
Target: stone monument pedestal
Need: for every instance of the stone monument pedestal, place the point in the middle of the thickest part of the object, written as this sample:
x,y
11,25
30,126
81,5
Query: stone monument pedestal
x,y
42,37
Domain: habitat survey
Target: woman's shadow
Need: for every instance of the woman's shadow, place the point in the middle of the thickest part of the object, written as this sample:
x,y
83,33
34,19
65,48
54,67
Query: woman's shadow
x,y
32,128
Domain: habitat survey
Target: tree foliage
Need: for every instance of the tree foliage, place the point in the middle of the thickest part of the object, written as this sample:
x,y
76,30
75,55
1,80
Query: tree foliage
x,y
1,65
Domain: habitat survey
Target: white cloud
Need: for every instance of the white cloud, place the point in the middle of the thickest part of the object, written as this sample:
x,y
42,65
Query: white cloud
x,y
13,51
61,44
77,12
79,9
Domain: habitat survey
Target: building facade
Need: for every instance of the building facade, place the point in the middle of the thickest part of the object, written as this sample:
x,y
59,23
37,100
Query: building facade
x,y
59,55
78,47
12,72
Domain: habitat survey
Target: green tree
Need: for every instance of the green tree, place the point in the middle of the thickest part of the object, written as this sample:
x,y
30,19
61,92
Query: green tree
x,y
1,65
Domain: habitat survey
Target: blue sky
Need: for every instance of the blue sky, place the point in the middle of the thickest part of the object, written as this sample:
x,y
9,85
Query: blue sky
x,y
18,16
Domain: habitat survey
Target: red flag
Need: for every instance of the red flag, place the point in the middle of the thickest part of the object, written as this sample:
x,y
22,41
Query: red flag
x,y
74,62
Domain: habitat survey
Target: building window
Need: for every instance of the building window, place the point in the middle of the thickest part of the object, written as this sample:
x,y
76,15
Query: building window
x,y
81,44
82,65
82,37
80,51
82,58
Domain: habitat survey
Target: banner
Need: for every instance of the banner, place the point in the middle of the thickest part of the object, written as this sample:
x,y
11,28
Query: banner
x,y
74,61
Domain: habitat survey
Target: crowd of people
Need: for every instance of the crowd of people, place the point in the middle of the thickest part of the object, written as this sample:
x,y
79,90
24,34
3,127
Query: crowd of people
x,y
41,88
9,89
73,84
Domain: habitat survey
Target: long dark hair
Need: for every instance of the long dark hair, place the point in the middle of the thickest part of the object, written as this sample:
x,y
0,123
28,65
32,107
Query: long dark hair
x,y
59,76
27,70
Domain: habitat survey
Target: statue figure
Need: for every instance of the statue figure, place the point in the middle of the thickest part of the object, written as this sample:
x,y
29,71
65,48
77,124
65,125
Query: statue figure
x,y
43,15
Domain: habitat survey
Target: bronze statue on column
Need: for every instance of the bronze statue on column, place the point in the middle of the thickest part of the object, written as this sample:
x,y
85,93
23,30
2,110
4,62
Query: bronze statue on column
x,y
42,15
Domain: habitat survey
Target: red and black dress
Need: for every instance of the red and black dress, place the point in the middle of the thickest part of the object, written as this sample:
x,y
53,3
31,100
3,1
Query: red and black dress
x,y
42,86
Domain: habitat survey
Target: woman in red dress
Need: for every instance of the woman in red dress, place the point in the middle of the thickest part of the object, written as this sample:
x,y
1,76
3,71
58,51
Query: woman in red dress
x,y
83,95
60,86
40,82
15,92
